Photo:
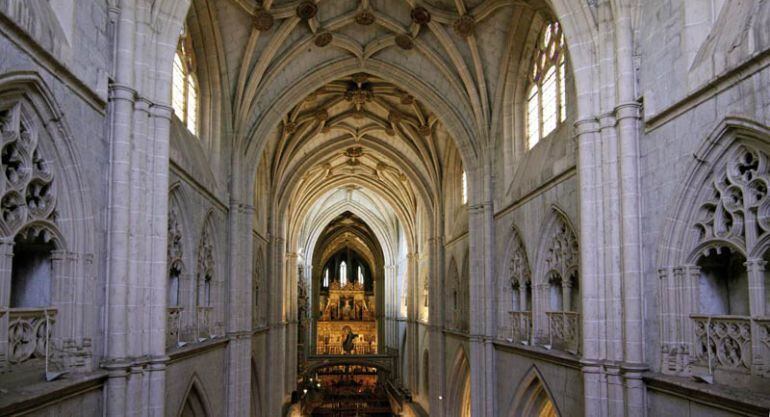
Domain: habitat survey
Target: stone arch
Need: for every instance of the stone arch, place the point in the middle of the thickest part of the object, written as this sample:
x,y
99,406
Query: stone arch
x,y
712,254
295,90
47,225
256,392
459,398
556,298
452,297
180,243
515,291
512,143
679,243
209,282
558,254
258,287
29,96
533,397
465,292
203,27
196,402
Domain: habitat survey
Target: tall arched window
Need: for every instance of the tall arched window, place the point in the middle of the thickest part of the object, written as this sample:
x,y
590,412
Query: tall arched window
x,y
361,279
546,97
326,277
184,92
465,187
343,273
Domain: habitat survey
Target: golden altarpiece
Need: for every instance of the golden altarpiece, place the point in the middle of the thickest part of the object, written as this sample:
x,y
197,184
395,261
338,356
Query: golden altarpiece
x,y
347,323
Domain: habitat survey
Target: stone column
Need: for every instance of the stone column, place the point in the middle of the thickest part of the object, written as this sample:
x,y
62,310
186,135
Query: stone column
x,y
437,355
413,342
238,305
290,364
590,204
156,281
276,337
481,316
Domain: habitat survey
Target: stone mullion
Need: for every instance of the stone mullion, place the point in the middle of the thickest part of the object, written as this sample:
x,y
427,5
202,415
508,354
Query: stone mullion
x,y
62,298
566,294
6,263
756,272
689,276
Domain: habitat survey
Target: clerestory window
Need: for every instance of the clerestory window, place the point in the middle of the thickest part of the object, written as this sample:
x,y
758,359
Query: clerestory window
x,y
546,97
184,92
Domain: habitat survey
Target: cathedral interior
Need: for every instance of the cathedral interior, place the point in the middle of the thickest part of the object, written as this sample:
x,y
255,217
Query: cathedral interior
x,y
351,208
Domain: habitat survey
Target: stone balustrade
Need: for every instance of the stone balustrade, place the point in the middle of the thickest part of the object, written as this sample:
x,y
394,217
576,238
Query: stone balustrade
x,y
521,327
564,331
29,333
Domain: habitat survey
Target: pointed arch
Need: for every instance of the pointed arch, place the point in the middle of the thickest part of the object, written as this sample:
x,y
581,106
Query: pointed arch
x,y
460,386
258,286
208,280
179,245
196,402
452,297
533,397
713,248
679,244
515,291
557,286
256,392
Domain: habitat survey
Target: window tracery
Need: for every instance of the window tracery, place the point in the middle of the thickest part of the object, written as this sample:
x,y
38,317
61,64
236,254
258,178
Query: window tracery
x,y
184,92
204,285
560,289
546,97
715,296
28,217
517,294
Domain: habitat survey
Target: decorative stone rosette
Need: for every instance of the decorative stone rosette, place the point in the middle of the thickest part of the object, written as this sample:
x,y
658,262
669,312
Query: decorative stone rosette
x,y
27,185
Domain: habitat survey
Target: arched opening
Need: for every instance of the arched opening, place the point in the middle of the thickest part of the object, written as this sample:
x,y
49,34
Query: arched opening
x,y
532,398
349,259
195,404
723,285
31,271
460,387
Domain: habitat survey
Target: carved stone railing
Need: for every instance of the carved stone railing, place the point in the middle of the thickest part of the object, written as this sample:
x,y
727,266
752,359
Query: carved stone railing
x,y
204,322
723,342
521,327
564,331
173,326
762,342
29,332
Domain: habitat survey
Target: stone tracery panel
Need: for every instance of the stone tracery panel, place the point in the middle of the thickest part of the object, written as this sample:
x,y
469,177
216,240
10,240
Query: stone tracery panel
x,y
558,287
725,235
28,192
516,294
